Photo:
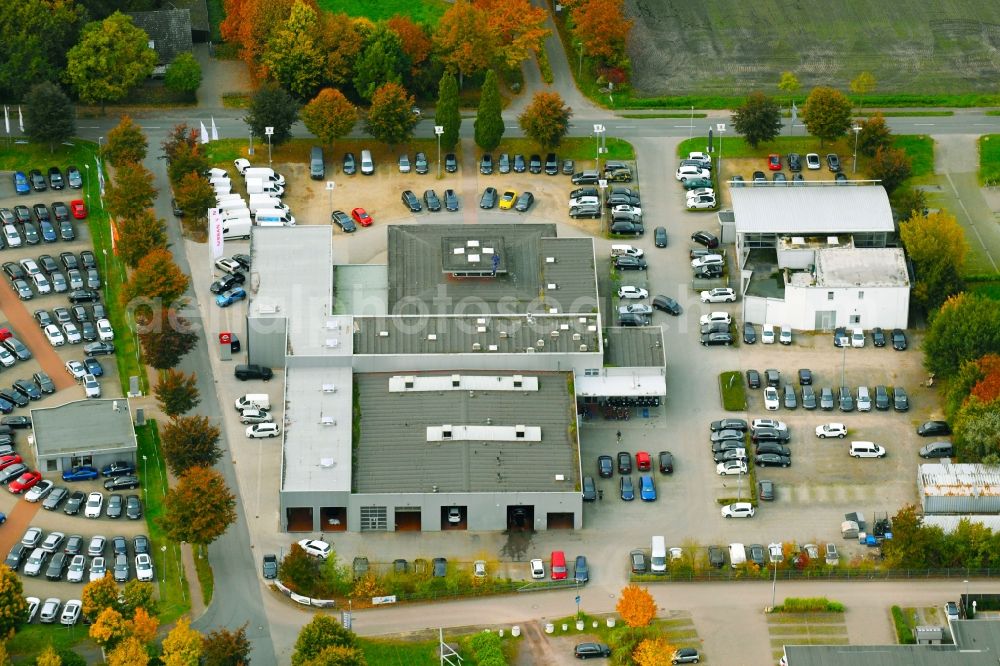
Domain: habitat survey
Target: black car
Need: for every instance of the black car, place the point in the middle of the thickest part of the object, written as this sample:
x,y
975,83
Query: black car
x,y
439,567
666,304
771,460
753,379
22,213
60,211
450,163
74,503
74,178
44,382
115,506
489,198
774,447
715,327
269,568
846,399
17,555
878,337
808,397
551,164
535,164
99,349
56,181
519,164
631,319
588,650
88,259
56,566
628,263
140,544
840,337
15,397
716,339
581,572
770,435
84,296
881,398
805,377
755,553
37,180
794,162
342,220
937,450
716,556
122,483
16,422
833,162
708,272
118,468
933,429
772,377
451,200
133,507
583,192
749,333
55,498
503,163
420,163
765,490
840,178
626,489
623,200
660,237
624,462
227,282
524,202
411,201
431,201
14,271
568,167
350,166
621,227
486,164
605,467
31,236
245,372
66,231
666,461
728,424
898,339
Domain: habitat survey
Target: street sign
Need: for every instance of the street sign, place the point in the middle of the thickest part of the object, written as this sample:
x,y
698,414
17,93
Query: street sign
x,y
268,131
602,183
330,185
345,619
578,598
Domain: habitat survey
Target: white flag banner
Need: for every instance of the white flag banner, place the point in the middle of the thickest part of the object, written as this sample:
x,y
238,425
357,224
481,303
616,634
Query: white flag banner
x,y
204,133
6,118
215,231
20,119
795,113
215,130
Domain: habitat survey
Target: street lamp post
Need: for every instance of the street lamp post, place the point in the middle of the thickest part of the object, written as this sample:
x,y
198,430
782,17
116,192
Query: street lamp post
x,y
250,152
579,71
774,584
330,186
163,570
439,130
857,130
87,167
721,129
269,131
598,134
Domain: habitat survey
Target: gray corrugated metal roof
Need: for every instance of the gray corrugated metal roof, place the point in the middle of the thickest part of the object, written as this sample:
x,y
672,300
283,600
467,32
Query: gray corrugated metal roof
x,y
944,479
393,454
950,523
169,29
83,426
811,210
638,346
458,334
418,278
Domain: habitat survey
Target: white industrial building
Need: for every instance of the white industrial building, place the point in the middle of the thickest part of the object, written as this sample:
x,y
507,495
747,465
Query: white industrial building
x,y
814,258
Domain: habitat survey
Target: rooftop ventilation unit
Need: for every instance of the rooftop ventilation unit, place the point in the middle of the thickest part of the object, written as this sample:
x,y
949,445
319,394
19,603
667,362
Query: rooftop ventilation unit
x,y
492,347
332,343
503,335
560,477
472,243
554,334
583,348
329,388
519,432
550,260
332,325
383,334
408,382
446,431
456,380
832,240
539,342
327,421
563,327
529,350
798,240
267,308
576,337
327,463
480,329
432,336
518,381
553,310
476,346
552,286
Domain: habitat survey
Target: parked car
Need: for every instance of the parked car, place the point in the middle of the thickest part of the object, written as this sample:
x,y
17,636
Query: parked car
x,y
933,429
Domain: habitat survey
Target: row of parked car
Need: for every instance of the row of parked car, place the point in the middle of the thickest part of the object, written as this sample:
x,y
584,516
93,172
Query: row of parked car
x,y
54,179
695,174
31,226
729,444
55,555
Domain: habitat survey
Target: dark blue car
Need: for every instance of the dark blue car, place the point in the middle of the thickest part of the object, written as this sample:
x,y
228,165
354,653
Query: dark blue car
x,y
82,473
21,183
93,366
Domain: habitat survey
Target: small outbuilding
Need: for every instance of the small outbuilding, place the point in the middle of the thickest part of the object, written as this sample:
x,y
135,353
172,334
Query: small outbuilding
x,y
83,432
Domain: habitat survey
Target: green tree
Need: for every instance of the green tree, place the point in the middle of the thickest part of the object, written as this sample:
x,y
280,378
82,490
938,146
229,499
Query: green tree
x,y
323,631
447,113
135,595
187,159
126,144
156,278
913,545
382,61
336,576
199,508
111,58
49,115
35,36
130,652
907,202
223,647
183,75
789,84
827,114
99,595
966,327
271,106
180,136
177,392
489,125
182,646
391,118
293,58
165,336
298,571
936,244
341,655
194,196
874,134
758,120
329,115
977,432
862,84
13,607
130,191
892,166
960,386
109,628
190,441
546,119
138,235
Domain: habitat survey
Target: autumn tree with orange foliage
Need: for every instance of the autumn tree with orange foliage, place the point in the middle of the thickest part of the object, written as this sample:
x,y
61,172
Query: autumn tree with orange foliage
x,y
251,23
416,42
464,41
519,26
987,389
602,28
636,606
653,652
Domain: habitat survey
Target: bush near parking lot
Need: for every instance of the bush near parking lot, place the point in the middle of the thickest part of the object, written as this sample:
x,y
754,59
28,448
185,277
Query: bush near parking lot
x,y
989,160
904,633
808,605
734,395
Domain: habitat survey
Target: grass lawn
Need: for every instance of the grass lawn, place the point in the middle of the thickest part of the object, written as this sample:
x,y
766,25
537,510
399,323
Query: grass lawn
x,y
734,397
421,11
400,653
33,638
989,159
987,289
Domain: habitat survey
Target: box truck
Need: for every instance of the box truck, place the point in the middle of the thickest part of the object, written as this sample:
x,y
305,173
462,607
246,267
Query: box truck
x,y
235,229
263,186
274,216
266,173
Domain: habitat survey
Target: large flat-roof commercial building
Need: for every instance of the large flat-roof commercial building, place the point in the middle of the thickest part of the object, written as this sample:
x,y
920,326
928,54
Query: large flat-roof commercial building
x,y
438,391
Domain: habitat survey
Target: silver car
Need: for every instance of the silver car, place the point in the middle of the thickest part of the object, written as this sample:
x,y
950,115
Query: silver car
x,y
50,610
77,567
36,561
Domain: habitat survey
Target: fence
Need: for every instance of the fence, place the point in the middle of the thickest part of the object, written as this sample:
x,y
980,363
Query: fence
x,y
827,574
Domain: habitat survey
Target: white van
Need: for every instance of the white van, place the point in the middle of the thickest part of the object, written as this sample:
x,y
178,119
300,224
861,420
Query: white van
x,y
658,556
232,204
864,401
625,251
240,214
215,172
263,186
259,201
264,172
223,189
367,165
219,180
273,216
867,450
256,400
737,555
232,196
236,229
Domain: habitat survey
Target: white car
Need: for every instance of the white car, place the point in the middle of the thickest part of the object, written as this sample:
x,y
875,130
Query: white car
x,y
91,387
71,612
632,292
767,334
738,510
812,161
253,415
30,266
716,318
53,541
95,502
731,467
768,423
771,401
584,201
54,335
104,330
72,333
626,210
35,562
228,265
97,569
699,191
144,567
243,164
831,430
50,610
11,235
702,202
76,369
74,574
858,338
6,358
719,295
775,553
537,569
33,605
42,285
785,336
708,260
316,548
688,171
701,157
479,568
38,493
260,430
635,308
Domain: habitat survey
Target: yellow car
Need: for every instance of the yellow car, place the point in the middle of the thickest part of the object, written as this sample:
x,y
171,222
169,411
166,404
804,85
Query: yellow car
x,y
507,200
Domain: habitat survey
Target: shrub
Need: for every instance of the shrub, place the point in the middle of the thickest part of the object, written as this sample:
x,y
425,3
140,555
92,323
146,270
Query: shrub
x,y
904,635
809,605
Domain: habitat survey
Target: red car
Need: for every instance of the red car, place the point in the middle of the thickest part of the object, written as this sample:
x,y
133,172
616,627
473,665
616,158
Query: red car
x,y
558,565
24,482
643,461
79,208
362,217
774,162
7,461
